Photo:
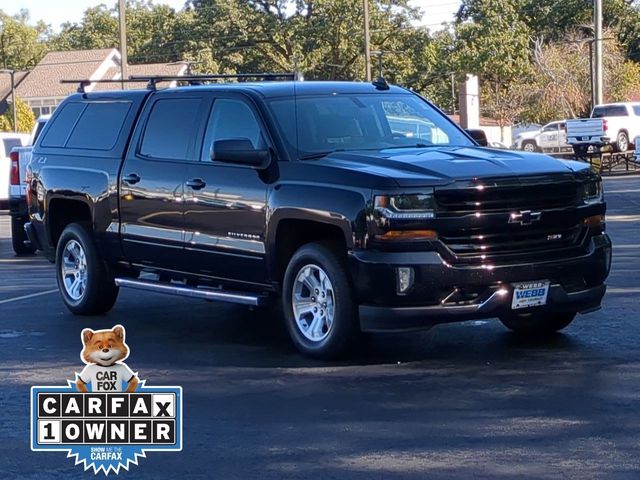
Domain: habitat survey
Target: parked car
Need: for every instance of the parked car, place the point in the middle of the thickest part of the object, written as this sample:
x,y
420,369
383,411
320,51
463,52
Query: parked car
x,y
303,194
20,158
8,140
610,124
552,138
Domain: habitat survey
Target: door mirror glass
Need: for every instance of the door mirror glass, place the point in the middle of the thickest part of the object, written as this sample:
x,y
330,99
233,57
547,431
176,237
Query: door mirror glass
x,y
240,151
479,136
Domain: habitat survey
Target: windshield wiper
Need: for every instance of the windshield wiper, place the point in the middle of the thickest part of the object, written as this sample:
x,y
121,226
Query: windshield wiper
x,y
317,155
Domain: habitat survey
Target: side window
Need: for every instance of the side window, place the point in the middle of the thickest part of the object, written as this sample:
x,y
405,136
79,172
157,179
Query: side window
x,y
552,127
171,129
62,124
617,111
99,126
636,110
231,119
598,112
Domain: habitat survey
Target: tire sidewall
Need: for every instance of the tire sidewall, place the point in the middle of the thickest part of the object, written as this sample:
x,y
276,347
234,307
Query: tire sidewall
x,y
344,323
531,143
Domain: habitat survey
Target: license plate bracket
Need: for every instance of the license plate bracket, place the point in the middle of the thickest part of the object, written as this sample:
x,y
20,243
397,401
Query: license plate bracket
x,y
530,294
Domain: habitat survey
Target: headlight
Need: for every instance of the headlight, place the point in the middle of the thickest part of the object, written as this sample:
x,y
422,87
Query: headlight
x,y
592,192
405,207
403,219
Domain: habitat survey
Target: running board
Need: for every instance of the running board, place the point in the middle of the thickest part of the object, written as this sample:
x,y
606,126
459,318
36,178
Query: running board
x,y
185,291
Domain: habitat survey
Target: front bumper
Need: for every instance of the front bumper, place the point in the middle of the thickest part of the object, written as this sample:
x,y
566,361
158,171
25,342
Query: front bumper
x,y
577,285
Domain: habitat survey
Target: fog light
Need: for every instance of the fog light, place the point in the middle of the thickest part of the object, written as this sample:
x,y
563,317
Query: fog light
x,y
404,276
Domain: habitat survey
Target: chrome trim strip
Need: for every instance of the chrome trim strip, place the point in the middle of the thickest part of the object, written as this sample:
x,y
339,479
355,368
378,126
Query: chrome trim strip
x,y
221,296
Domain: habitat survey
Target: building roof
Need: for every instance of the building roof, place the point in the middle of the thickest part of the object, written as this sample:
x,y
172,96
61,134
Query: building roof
x,y
148,69
5,83
44,79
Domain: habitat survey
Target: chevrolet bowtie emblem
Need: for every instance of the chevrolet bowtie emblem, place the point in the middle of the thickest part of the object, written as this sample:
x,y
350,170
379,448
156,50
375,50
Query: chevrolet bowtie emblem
x,y
525,217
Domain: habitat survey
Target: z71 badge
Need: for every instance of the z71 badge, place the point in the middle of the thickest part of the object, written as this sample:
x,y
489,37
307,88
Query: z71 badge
x,y
107,417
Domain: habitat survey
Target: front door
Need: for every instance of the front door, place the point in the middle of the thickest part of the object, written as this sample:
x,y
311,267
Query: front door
x,y
152,182
226,205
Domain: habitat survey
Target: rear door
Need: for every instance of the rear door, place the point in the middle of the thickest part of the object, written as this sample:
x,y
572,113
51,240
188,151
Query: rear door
x,y
152,179
549,137
225,205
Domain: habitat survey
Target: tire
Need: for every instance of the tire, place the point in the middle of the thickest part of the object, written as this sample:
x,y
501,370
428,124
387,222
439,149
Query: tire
x,y
622,142
87,288
529,146
324,338
18,237
539,323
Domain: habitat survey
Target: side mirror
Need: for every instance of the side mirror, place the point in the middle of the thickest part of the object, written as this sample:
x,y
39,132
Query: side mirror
x,y
479,136
240,151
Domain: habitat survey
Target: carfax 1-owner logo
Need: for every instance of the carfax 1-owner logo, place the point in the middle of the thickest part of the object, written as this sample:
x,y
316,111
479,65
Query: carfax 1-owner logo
x,y
107,418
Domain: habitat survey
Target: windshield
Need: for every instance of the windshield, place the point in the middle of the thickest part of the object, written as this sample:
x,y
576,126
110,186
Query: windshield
x,y
345,122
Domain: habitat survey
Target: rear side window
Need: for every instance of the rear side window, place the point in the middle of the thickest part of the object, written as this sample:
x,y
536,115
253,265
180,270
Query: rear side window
x,y
636,110
610,111
87,126
99,126
171,129
63,123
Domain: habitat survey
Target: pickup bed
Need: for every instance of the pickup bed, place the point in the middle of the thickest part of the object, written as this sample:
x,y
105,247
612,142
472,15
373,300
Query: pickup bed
x,y
319,197
615,124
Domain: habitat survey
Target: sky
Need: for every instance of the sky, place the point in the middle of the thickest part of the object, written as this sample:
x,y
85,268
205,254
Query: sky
x,y
56,12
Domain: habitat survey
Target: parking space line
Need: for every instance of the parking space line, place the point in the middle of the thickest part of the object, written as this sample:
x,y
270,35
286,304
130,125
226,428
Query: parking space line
x,y
623,290
25,297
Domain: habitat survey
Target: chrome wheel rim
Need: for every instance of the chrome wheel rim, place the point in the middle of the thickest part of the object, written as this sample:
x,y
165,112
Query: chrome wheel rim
x,y
528,147
313,303
74,270
623,143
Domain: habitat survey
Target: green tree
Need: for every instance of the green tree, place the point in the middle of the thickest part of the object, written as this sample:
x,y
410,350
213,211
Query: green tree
x,y
25,116
21,45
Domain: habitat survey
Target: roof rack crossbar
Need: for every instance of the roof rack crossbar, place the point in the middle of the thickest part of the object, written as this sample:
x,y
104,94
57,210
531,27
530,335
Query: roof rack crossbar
x,y
85,83
198,79
153,80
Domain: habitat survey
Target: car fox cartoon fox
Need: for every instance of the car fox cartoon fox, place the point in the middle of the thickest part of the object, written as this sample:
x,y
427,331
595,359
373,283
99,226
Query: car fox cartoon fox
x,y
103,352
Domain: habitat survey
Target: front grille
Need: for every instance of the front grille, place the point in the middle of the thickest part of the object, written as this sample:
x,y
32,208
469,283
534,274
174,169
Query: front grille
x,y
494,198
474,221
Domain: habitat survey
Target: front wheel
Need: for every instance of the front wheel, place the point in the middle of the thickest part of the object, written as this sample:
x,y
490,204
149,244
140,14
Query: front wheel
x,y
86,286
538,323
318,303
530,146
622,142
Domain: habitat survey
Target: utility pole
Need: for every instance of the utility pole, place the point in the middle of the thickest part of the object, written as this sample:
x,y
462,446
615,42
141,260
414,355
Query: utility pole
x,y
367,41
13,97
123,40
453,93
597,18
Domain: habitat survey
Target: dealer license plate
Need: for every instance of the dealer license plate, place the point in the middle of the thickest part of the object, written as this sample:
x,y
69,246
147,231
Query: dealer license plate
x,y
530,294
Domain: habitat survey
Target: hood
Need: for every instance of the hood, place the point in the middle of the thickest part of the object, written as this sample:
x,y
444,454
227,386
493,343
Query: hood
x,y
528,135
442,165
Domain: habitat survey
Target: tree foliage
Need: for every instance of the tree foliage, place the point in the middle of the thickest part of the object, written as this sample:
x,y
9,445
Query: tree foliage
x,y
21,45
26,118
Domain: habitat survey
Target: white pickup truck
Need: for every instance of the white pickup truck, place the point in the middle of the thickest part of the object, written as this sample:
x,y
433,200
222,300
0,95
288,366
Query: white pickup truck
x,y
20,156
551,138
610,124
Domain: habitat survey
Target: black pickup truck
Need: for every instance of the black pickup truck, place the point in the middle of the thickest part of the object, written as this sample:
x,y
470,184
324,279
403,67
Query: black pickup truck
x,y
355,206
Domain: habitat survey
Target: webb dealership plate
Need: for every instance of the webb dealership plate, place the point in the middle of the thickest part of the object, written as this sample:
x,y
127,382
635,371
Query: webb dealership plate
x,y
530,294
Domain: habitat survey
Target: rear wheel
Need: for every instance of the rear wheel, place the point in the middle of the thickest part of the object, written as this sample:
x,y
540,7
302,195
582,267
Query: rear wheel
x,y
318,304
18,237
84,281
538,323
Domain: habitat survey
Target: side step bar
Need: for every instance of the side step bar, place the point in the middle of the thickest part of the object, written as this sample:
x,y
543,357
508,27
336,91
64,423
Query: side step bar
x,y
185,291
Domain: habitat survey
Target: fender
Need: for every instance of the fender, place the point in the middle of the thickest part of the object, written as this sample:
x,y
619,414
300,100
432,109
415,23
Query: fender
x,y
332,205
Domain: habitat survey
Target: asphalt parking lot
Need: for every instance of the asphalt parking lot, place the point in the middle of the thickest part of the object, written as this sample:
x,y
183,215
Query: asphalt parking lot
x,y
460,401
